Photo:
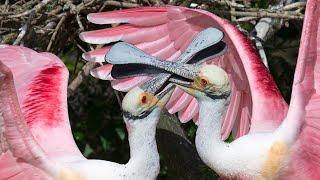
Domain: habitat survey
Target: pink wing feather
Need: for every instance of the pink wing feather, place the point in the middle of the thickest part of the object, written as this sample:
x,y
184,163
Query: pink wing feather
x,y
305,100
20,155
165,32
39,108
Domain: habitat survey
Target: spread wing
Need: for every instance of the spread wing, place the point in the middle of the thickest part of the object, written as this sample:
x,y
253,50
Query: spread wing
x,y
305,101
34,126
165,32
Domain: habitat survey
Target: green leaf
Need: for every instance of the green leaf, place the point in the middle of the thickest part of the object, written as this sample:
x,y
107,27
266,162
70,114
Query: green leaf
x,y
121,133
87,150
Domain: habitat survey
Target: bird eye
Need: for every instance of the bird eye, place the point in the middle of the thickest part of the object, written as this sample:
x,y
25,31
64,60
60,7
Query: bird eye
x,y
204,82
144,99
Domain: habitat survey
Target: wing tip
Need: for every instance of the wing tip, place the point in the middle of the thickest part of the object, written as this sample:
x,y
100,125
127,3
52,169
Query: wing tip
x,y
83,37
88,57
101,73
94,18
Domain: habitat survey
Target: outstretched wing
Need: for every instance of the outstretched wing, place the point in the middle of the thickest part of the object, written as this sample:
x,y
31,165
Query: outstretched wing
x,y
20,155
165,32
34,126
305,100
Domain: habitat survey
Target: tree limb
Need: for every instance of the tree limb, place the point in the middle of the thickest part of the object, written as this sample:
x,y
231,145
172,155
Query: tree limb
x,y
85,71
24,28
262,14
53,37
37,8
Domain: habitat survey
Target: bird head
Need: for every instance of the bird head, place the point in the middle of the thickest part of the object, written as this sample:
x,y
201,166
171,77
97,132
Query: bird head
x,y
145,101
209,80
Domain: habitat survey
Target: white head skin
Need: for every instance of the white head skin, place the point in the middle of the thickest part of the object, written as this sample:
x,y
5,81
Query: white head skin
x,y
138,104
211,80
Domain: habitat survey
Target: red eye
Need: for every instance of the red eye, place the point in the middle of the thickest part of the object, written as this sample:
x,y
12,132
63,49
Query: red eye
x,y
204,82
144,99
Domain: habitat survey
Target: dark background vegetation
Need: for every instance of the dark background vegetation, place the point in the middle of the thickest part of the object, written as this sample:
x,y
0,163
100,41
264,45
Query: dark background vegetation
x,y
94,107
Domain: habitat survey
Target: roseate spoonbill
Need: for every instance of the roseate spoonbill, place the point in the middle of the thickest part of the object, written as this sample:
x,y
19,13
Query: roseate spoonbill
x,y
290,151
286,151
35,136
166,32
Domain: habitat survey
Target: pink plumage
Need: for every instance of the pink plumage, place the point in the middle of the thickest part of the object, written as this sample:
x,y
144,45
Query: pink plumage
x,y
40,82
165,32
305,101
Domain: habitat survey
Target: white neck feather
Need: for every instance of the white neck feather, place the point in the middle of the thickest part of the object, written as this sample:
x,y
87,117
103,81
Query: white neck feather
x,y
144,157
211,148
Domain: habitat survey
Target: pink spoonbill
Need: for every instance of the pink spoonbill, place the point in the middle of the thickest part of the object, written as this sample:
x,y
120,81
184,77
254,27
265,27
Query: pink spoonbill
x,y
288,152
166,33
35,136
281,143
291,151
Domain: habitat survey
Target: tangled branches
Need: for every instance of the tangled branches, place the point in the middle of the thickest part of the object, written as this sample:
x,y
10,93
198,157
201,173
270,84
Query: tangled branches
x,y
50,25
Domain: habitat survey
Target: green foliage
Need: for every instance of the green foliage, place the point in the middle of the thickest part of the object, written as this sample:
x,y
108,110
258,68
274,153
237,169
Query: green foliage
x,y
96,122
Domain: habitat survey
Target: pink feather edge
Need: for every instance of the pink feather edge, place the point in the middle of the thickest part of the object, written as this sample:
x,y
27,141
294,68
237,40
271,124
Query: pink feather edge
x,y
37,83
304,160
258,105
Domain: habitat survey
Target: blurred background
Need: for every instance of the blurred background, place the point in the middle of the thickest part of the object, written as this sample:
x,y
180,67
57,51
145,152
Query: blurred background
x,y
94,107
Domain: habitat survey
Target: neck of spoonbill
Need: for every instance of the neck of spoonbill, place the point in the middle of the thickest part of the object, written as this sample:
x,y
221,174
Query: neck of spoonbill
x,y
144,156
211,148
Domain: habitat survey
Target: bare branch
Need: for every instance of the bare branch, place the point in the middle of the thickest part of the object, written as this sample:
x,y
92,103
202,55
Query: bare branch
x,y
8,29
53,37
296,5
157,2
120,4
246,19
266,27
36,9
24,28
232,10
262,14
85,71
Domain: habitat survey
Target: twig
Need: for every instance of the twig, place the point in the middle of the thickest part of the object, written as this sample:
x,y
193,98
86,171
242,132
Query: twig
x,y
6,13
81,48
297,5
56,11
262,14
232,9
266,27
37,8
8,29
185,3
238,6
120,4
79,23
85,71
246,19
157,2
229,3
53,37
172,2
261,51
119,99
6,5
81,27
24,28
